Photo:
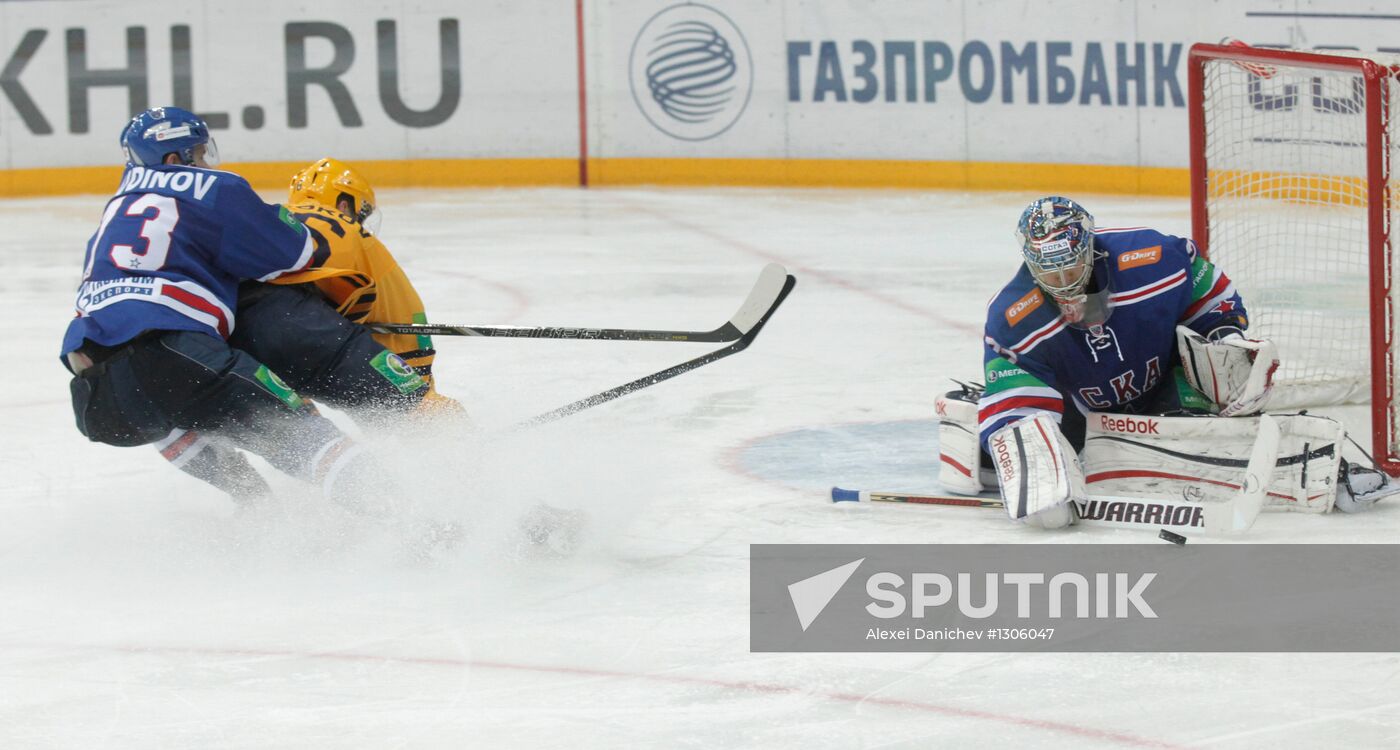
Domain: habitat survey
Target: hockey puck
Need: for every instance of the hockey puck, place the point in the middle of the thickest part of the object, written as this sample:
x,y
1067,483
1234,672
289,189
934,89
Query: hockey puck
x,y
1171,536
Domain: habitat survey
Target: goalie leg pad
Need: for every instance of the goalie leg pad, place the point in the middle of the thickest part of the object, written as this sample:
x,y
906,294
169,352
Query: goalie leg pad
x,y
1038,471
1201,458
958,450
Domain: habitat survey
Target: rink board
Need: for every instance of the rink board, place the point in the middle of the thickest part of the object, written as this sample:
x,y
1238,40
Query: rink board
x,y
796,92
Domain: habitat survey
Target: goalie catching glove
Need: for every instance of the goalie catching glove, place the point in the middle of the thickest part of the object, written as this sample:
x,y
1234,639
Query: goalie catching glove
x,y
1234,372
1038,471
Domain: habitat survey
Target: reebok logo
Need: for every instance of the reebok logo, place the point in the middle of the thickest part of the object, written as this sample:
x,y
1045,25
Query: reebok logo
x,y
811,595
1006,468
1129,425
1024,306
1144,257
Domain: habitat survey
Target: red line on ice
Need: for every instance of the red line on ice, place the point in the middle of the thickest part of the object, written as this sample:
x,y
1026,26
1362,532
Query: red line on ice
x,y
520,301
808,271
1118,738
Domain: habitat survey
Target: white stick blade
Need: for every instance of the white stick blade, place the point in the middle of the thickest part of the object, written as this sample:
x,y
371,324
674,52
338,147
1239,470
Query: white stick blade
x,y
769,286
1255,486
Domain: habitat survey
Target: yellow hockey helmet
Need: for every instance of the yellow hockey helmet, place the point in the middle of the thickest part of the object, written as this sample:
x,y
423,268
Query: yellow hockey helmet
x,y
329,181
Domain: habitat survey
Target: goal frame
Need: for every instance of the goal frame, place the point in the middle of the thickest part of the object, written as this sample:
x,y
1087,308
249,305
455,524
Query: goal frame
x,y
1376,83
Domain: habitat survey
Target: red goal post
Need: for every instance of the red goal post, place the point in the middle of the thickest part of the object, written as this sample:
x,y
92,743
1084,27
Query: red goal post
x,y
1292,195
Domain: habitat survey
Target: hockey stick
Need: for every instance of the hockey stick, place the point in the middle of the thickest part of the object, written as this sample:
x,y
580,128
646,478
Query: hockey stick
x,y
1233,516
769,285
1247,503
1099,510
749,334
839,495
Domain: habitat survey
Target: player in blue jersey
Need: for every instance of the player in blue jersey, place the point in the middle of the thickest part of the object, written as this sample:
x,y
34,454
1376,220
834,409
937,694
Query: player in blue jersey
x,y
1090,323
148,346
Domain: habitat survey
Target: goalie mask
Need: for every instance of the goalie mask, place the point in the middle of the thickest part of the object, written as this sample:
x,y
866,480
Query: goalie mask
x,y
1057,243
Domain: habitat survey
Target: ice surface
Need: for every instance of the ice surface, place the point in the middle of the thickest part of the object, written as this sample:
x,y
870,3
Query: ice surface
x,y
137,609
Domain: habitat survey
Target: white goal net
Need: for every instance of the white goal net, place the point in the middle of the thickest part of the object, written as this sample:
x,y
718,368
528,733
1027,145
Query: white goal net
x,y
1291,153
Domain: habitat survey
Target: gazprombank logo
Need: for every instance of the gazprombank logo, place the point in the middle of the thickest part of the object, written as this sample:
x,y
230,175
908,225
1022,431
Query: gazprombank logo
x,y
691,72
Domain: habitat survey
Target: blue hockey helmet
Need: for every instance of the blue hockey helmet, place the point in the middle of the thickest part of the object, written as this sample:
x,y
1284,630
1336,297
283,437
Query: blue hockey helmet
x,y
158,132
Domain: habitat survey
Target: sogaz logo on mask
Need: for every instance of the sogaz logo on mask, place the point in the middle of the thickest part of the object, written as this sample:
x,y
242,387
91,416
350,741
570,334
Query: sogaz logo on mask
x,y
691,72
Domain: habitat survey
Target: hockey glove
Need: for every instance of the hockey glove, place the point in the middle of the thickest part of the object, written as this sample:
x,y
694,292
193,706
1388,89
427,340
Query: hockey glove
x,y
1235,372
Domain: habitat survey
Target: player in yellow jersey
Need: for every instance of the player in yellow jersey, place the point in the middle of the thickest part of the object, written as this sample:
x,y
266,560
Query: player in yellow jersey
x,y
360,278
307,326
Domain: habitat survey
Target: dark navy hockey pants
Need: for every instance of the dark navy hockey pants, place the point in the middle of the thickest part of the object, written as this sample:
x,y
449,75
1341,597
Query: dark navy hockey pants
x,y
293,330
138,392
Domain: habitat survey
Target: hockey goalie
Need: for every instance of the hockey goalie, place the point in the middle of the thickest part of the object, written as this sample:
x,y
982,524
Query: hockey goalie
x,y
1117,363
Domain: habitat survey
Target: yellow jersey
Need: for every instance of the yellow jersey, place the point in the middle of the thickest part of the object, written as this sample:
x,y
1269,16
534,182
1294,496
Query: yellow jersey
x,y
364,282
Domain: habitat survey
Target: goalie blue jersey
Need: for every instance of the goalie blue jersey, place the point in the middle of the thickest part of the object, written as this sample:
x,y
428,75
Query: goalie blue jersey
x,y
1035,361
173,245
